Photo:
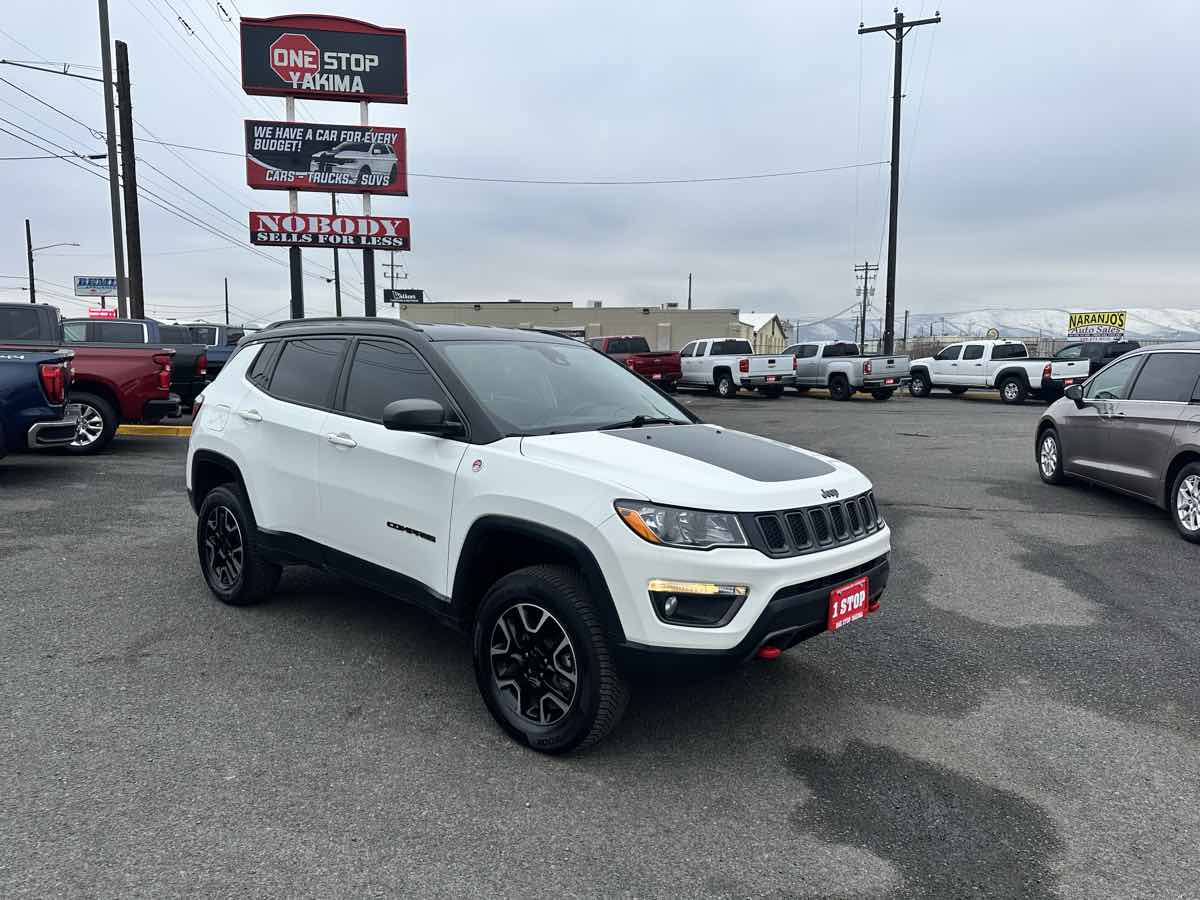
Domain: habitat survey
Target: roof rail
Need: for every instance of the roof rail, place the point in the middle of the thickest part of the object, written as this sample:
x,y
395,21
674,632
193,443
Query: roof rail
x,y
403,323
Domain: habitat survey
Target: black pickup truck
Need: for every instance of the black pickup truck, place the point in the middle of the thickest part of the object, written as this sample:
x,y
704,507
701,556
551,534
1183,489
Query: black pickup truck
x,y
1075,362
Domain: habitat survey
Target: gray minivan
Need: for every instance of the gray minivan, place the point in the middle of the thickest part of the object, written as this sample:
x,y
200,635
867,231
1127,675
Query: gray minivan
x,y
1133,426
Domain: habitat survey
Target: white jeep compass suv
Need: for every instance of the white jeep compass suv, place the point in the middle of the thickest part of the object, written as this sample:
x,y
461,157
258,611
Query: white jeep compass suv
x,y
579,523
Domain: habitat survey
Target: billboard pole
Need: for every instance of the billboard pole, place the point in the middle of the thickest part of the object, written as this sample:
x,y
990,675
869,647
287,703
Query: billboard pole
x,y
294,251
337,272
114,183
368,255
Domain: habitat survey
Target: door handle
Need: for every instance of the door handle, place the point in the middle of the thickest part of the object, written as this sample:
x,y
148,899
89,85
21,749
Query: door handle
x,y
250,415
341,439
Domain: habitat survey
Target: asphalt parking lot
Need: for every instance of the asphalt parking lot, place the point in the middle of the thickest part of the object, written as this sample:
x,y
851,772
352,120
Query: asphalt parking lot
x,y
1021,719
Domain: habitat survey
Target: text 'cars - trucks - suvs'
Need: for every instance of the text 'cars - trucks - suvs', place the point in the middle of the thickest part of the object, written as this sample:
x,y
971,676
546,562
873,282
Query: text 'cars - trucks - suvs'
x,y
577,522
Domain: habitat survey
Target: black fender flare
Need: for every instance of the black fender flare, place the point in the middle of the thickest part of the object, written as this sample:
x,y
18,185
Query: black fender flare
x,y
210,457
1020,373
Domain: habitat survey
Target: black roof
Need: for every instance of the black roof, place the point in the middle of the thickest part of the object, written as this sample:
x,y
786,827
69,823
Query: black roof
x,y
362,325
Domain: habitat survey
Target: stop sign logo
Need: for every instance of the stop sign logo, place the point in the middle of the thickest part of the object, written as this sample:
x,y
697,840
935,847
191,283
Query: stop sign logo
x,y
293,56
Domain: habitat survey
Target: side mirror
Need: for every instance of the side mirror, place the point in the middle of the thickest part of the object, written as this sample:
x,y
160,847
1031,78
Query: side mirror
x,y
424,416
1074,393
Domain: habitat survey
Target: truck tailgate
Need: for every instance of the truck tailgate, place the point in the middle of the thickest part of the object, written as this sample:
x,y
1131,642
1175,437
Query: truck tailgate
x,y
769,364
655,365
886,367
1070,371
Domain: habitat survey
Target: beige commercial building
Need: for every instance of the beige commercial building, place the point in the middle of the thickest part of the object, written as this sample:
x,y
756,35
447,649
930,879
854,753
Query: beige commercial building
x,y
770,334
664,329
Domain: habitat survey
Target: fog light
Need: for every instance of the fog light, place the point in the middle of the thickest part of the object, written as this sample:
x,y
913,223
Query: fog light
x,y
700,604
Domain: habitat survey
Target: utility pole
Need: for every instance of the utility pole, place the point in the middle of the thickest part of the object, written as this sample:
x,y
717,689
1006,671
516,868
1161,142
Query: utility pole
x,y
114,184
227,301
896,31
29,255
368,255
295,261
868,276
337,274
906,331
133,226
689,290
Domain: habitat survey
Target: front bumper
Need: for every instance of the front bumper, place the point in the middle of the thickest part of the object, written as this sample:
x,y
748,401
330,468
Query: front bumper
x,y
52,434
631,563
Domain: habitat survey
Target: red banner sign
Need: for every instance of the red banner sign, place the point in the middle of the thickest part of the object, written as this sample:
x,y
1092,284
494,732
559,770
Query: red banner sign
x,y
299,229
97,312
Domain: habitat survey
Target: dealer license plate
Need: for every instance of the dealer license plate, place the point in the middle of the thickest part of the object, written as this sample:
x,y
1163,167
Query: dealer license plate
x,y
889,381
656,376
771,378
848,602
1069,382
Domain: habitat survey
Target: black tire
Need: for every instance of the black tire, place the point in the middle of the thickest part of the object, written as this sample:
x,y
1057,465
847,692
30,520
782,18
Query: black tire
x,y
883,394
1189,475
957,391
598,695
920,386
1047,454
802,389
1013,390
839,388
98,423
726,389
226,521
773,393
671,387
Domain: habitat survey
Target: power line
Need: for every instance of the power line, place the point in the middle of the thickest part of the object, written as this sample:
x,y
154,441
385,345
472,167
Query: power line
x,y
97,134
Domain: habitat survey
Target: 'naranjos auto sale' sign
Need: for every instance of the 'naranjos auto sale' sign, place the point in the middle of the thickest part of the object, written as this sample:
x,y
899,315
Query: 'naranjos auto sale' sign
x,y
324,57
1096,326
287,229
351,159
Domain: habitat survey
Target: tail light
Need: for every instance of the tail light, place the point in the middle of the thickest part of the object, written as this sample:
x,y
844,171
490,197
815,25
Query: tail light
x,y
629,361
1046,370
202,364
164,374
743,365
54,382
794,364
867,367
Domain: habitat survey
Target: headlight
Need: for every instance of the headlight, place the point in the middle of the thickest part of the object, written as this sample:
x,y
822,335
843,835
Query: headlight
x,y
674,527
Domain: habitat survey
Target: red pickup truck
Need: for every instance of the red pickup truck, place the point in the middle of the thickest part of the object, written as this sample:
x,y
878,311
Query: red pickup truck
x,y
112,385
660,366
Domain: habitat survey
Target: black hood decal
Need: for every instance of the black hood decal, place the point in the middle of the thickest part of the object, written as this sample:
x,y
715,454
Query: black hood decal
x,y
742,454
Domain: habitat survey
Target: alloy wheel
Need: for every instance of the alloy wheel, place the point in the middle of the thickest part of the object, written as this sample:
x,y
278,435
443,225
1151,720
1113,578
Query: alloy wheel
x,y
90,426
1187,502
1010,390
223,547
1049,456
533,662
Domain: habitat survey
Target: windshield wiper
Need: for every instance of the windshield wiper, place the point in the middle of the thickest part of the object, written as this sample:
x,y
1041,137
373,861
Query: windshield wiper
x,y
639,421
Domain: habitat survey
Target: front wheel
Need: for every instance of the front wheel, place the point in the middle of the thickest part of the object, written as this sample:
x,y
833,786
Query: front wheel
x,y
725,387
543,662
1049,457
882,395
1185,502
920,386
1013,391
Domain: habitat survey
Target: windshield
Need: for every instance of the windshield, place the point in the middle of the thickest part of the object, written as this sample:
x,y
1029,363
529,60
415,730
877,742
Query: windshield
x,y
542,388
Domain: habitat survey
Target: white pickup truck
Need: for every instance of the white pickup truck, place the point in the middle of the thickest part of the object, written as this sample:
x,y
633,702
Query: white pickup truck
x,y
1003,366
728,364
839,366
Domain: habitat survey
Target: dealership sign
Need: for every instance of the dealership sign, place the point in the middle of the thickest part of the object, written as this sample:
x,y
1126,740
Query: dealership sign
x,y
286,229
403,295
1096,326
350,159
95,286
324,58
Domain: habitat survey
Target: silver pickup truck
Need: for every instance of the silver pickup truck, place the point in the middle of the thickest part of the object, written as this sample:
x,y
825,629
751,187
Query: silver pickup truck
x,y
838,366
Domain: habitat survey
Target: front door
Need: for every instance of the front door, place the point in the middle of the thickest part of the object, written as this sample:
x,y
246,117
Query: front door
x,y
1089,433
386,496
944,369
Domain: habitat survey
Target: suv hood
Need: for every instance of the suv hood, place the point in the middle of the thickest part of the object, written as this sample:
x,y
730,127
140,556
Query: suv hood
x,y
699,466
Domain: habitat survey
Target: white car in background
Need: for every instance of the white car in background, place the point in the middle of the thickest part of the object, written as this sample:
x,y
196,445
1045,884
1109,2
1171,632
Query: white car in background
x,y
357,157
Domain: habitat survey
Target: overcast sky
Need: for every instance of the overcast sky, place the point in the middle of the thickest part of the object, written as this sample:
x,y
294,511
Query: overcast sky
x,y
1051,153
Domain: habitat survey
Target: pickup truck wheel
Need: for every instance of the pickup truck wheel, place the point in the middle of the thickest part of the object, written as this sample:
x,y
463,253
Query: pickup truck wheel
x,y
839,388
97,423
882,395
725,387
1185,502
543,662
957,391
227,542
920,385
1049,457
1013,391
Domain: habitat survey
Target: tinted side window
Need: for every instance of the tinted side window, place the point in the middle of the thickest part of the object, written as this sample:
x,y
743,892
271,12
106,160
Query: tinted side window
x,y
950,352
1113,382
174,334
840,350
120,331
204,334
1071,351
688,350
1167,376
307,370
618,345
806,351
638,345
1008,351
975,351
260,370
20,323
383,372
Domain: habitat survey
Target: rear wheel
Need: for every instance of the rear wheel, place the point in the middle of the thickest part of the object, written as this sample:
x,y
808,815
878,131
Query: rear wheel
x,y
97,423
920,386
543,662
958,391
1185,502
227,541
839,388
725,386
884,394
1049,457
1013,390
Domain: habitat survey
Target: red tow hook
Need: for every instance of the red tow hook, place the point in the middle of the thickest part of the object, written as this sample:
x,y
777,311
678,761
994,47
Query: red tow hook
x,y
767,651
873,605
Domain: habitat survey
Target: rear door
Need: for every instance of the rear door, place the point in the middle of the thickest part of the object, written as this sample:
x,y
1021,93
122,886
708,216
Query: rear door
x,y
386,496
277,425
1143,426
807,363
972,370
